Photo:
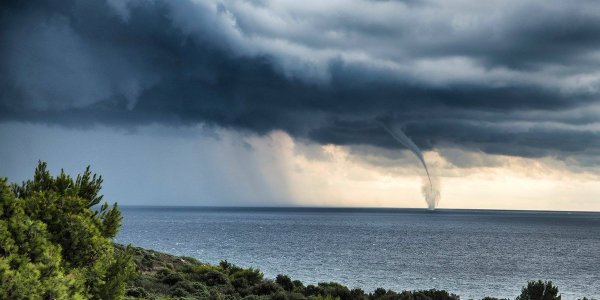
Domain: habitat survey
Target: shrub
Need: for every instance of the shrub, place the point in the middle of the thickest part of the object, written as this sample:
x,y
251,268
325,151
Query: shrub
x,y
256,297
320,297
169,277
539,290
266,288
214,278
336,290
279,296
228,268
298,286
296,296
378,293
186,288
136,292
438,295
312,290
240,283
252,276
285,282
358,294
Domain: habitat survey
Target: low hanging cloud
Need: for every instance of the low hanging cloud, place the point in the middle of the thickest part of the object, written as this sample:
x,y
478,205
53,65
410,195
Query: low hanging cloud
x,y
511,77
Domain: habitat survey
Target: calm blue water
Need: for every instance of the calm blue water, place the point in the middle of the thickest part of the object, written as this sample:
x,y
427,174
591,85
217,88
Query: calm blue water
x,y
470,253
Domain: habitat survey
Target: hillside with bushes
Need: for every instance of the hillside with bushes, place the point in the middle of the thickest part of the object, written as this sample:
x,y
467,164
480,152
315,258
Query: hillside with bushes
x,y
164,276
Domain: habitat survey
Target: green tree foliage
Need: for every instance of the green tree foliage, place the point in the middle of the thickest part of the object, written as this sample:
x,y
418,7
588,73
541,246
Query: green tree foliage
x,y
285,282
54,244
382,294
539,290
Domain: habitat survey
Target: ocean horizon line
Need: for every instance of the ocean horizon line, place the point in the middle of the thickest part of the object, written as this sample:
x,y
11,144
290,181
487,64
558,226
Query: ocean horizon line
x,y
351,209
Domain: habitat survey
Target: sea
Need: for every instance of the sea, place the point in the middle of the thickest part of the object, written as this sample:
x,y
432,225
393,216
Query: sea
x,y
472,253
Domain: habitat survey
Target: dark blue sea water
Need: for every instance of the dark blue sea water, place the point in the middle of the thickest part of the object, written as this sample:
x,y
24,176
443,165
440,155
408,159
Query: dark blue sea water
x,y
470,253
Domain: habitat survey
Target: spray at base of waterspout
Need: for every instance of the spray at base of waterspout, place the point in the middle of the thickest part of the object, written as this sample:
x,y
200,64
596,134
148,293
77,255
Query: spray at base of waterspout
x,y
430,191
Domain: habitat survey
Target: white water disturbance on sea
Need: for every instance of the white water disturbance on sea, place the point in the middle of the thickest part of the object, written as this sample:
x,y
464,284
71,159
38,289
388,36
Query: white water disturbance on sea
x,y
430,187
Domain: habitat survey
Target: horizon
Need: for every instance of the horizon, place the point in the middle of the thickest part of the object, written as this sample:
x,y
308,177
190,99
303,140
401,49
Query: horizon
x,y
419,209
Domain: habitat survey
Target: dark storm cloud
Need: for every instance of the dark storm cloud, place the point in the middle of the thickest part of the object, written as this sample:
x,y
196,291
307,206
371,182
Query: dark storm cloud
x,y
532,36
516,78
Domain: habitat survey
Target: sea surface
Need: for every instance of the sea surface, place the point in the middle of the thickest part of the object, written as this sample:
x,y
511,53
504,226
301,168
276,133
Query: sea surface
x,y
471,253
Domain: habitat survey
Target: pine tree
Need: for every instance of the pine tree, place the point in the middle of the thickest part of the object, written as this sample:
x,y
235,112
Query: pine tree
x,y
55,243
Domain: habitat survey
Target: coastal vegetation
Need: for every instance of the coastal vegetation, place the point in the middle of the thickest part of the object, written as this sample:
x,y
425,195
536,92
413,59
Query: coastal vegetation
x,y
56,242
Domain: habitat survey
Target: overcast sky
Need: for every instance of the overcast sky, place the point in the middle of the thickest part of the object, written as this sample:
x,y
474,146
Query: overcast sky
x,y
275,102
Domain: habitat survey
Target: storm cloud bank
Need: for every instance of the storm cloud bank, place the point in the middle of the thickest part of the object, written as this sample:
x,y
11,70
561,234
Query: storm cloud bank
x,y
513,77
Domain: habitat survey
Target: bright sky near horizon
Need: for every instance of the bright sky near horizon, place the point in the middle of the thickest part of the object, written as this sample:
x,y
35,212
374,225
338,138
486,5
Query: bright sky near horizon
x,y
269,103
